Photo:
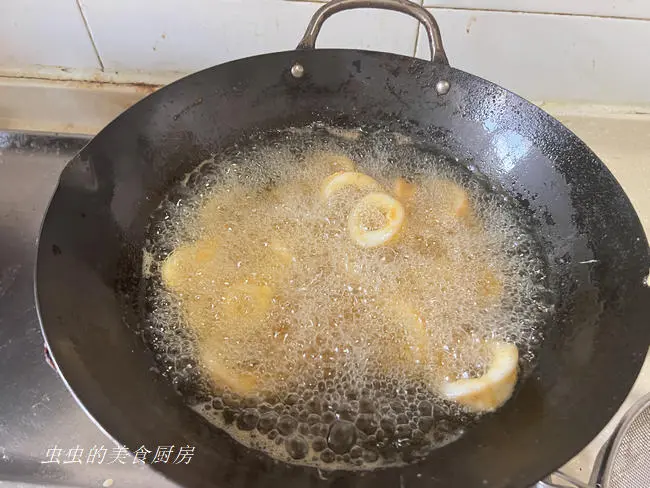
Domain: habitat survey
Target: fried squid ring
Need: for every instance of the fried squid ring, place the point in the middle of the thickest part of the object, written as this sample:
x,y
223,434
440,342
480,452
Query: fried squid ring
x,y
488,392
393,212
341,179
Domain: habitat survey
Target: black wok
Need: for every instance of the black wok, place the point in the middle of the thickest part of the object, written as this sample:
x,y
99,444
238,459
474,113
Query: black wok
x,y
92,238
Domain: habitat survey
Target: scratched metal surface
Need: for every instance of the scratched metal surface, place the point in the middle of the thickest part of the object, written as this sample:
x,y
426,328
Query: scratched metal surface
x,y
36,410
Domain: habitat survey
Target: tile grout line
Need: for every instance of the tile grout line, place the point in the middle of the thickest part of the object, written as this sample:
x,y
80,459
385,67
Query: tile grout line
x,y
533,12
90,35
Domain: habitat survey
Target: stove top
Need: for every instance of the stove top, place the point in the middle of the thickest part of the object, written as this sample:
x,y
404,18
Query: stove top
x,y
46,439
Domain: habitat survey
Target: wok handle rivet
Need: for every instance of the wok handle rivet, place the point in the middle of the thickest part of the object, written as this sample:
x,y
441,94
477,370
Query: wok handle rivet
x,y
297,70
442,87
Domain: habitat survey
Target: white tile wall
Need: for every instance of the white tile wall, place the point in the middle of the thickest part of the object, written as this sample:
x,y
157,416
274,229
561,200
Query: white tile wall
x,y
44,32
567,50
550,57
186,35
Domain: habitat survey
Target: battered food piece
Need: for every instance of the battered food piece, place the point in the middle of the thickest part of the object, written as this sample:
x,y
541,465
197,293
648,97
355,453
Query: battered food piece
x,y
455,201
404,190
488,392
187,262
392,211
342,179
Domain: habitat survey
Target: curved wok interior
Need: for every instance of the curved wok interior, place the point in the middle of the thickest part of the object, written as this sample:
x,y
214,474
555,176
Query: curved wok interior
x,y
90,259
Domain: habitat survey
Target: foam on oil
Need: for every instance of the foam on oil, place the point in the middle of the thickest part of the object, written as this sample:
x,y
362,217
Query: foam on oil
x,y
269,284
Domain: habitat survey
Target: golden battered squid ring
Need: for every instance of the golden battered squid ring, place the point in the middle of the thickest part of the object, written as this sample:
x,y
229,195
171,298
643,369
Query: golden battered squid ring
x,y
494,388
341,179
391,208
241,382
186,261
246,300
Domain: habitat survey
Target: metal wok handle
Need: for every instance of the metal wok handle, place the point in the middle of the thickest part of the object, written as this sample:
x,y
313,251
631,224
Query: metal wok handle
x,y
438,55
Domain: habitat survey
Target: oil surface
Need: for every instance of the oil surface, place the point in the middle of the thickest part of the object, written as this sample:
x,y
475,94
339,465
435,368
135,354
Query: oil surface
x,y
297,340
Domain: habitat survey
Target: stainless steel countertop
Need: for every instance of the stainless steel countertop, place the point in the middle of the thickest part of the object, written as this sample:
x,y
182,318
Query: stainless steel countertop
x,y
36,410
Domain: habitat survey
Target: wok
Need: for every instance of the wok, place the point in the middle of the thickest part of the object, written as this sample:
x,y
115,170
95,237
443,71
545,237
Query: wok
x,y
90,250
